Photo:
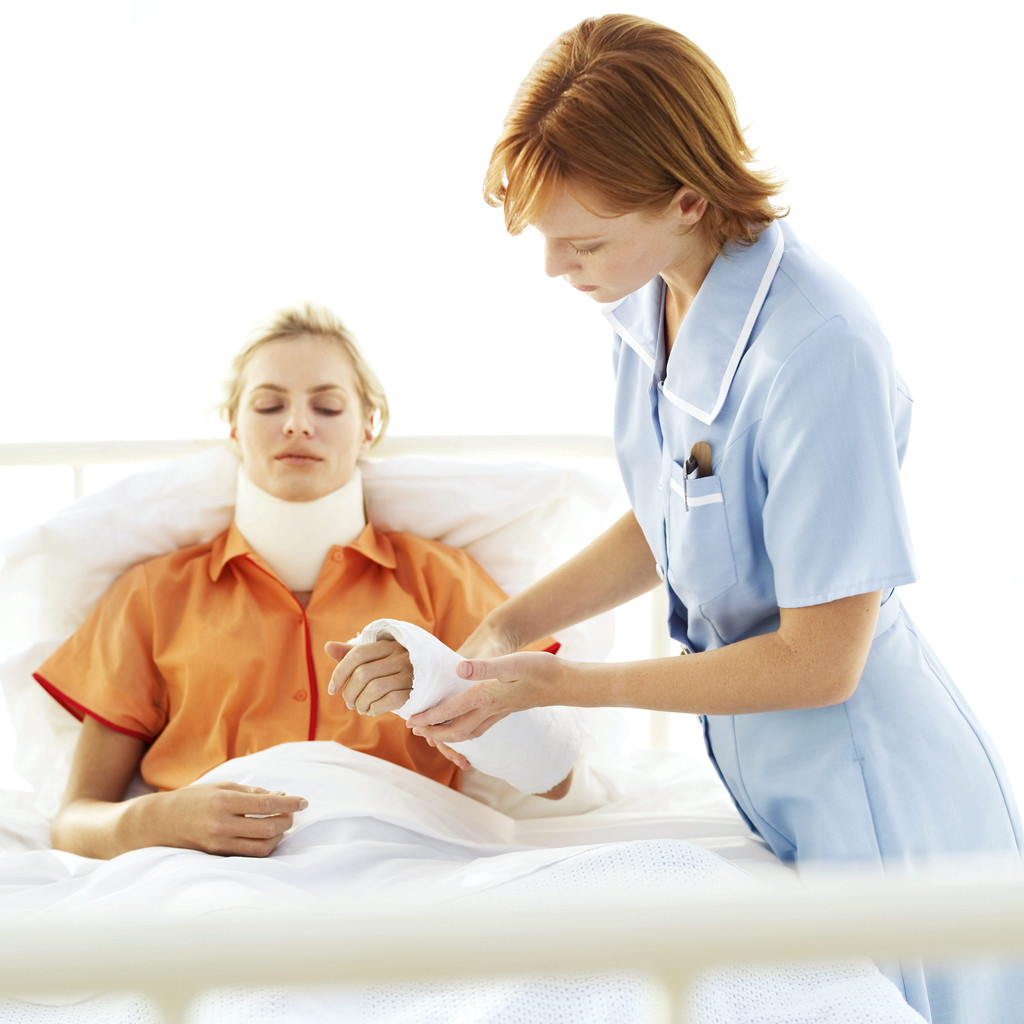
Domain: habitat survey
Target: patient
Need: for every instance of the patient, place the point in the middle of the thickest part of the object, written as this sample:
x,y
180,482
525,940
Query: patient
x,y
218,650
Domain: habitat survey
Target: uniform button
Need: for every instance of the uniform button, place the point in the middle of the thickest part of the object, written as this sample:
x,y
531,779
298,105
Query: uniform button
x,y
300,695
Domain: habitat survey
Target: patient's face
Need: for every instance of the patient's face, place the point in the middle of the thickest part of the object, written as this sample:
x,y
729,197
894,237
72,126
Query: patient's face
x,y
300,426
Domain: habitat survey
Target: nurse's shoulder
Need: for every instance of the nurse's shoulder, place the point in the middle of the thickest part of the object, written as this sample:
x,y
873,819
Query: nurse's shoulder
x,y
808,293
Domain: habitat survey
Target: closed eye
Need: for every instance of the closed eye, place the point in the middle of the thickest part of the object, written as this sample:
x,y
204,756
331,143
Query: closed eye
x,y
584,252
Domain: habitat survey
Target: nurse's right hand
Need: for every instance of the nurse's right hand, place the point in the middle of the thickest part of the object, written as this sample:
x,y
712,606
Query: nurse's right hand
x,y
513,682
487,641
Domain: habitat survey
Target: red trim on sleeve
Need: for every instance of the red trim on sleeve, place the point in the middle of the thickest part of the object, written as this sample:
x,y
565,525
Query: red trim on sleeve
x,y
80,711
553,649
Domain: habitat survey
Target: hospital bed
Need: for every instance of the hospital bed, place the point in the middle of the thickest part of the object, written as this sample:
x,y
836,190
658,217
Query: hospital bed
x,y
642,897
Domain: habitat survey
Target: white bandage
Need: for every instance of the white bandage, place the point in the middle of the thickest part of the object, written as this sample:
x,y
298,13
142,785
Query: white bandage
x,y
533,750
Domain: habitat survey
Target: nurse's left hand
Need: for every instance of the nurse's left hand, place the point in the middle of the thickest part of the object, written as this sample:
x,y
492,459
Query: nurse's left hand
x,y
511,683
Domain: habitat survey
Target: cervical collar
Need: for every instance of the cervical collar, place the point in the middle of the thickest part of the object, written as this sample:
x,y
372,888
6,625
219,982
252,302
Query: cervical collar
x,y
293,537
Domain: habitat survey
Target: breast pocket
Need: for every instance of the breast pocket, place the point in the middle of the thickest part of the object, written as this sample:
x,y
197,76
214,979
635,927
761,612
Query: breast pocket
x,y
701,563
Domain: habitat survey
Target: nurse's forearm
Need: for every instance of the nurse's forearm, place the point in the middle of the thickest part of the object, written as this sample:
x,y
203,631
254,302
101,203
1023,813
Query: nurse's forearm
x,y
814,659
613,569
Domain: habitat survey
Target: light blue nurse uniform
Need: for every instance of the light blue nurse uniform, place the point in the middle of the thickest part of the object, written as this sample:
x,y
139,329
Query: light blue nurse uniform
x,y
782,368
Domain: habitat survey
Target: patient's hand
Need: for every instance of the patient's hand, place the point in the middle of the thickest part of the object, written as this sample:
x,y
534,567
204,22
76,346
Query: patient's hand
x,y
227,818
373,678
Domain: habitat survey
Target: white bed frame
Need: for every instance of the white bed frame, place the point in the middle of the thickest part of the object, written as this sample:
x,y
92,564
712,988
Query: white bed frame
x,y
963,912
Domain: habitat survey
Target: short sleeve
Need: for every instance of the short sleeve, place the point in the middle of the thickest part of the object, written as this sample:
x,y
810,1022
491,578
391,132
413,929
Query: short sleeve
x,y
830,445
106,668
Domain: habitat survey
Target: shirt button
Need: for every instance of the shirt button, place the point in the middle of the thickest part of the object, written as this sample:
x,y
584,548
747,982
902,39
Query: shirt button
x,y
300,695
338,556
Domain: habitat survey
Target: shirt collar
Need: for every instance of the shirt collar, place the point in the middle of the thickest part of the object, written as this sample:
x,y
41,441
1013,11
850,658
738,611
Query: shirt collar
x,y
716,329
372,544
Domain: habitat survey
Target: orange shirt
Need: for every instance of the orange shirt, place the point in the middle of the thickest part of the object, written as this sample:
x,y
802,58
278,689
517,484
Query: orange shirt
x,y
206,655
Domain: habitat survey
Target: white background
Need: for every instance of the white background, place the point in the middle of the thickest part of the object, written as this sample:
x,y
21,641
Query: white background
x,y
173,172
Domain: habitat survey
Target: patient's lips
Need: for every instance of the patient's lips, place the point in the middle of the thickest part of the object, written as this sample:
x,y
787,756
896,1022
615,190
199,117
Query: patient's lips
x,y
298,457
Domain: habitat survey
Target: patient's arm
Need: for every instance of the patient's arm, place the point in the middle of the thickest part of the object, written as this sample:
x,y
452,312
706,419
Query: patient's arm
x,y
95,821
377,677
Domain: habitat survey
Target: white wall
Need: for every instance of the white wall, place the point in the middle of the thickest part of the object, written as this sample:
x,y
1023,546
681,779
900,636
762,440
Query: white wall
x,y
173,171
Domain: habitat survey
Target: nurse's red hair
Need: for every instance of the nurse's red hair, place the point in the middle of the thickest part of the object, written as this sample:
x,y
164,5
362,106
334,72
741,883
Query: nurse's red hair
x,y
627,112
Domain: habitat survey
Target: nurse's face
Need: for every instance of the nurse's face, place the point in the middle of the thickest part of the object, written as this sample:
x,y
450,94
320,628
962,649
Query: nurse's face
x,y
608,257
300,426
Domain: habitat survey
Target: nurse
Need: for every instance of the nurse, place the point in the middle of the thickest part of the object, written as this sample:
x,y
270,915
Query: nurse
x,y
760,426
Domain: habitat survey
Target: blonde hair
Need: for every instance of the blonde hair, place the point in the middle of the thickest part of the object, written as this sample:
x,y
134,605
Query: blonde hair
x,y
630,111
312,321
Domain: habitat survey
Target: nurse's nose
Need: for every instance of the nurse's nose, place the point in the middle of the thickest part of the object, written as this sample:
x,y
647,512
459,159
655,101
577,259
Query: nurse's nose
x,y
558,259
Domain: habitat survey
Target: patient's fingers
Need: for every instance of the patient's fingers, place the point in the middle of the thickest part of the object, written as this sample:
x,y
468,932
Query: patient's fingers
x,y
373,678
336,650
229,819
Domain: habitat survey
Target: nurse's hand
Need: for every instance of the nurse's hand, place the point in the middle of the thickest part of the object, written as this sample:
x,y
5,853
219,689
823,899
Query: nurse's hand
x,y
373,678
487,641
511,683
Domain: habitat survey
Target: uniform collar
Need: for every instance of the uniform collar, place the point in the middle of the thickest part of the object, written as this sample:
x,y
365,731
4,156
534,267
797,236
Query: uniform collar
x,y
716,329
372,544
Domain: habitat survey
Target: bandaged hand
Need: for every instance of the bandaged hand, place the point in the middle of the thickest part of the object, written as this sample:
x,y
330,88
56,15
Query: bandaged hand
x,y
372,678
511,683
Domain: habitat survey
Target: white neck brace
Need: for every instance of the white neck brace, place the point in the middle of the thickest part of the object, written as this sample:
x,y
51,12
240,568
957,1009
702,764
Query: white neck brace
x,y
293,537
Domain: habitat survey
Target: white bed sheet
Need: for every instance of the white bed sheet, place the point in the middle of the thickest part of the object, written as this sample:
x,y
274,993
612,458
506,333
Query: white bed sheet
x,y
373,829
639,823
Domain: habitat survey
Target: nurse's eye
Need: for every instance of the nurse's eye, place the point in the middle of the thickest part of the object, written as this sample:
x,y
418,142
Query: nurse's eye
x,y
328,411
585,252
266,409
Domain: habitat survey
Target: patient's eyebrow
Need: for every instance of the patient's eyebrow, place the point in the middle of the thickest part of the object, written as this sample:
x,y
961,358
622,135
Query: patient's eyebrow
x,y
311,391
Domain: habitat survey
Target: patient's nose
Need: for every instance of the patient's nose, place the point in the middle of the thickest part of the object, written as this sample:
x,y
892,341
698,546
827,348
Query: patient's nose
x,y
299,422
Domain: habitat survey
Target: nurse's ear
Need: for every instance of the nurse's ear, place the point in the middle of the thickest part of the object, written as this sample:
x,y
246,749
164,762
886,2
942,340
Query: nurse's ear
x,y
687,207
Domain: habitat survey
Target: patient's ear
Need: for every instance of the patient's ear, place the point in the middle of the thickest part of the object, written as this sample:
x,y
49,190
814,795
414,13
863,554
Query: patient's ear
x,y
368,436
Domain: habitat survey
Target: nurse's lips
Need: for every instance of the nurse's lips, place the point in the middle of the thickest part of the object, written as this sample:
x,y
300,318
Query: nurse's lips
x,y
585,287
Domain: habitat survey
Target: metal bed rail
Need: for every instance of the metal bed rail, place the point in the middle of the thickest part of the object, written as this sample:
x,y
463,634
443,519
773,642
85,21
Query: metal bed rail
x,y
671,940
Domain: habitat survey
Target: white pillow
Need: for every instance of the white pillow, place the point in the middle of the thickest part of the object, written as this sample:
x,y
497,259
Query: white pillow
x,y
516,518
